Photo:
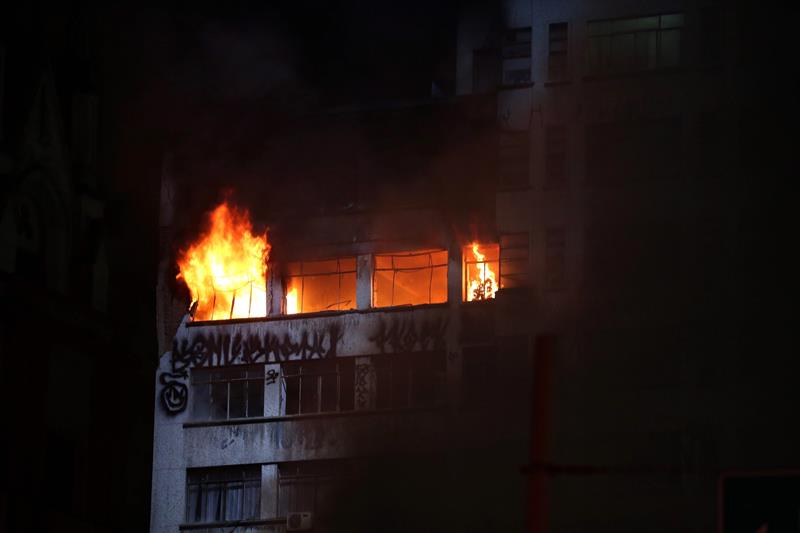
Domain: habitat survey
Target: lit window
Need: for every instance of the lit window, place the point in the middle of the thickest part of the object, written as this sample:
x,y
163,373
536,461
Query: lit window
x,y
223,494
481,271
634,44
410,278
321,286
232,392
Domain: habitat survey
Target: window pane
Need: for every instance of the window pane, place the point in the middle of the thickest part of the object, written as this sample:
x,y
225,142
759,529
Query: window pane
x,y
309,394
219,400
237,407
346,383
292,395
320,267
212,503
251,500
201,399
255,398
233,501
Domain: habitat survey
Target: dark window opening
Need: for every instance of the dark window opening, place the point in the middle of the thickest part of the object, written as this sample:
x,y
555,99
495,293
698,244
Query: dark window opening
x,y
222,494
517,57
618,46
230,392
409,380
557,62
322,386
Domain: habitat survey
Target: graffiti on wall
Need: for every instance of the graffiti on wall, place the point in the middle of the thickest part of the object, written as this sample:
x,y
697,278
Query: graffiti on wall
x,y
211,349
407,335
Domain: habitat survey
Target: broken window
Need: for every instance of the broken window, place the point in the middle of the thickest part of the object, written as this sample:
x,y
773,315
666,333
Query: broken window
x,y
410,278
618,46
321,386
514,257
328,285
232,392
481,271
223,494
409,380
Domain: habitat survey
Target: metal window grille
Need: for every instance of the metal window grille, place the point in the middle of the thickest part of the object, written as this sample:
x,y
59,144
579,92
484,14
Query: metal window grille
x,y
228,392
322,386
223,494
315,290
430,268
634,44
311,486
514,260
409,380
557,67
473,267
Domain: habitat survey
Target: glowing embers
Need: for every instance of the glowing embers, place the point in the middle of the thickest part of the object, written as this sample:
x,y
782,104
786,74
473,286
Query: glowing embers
x,y
481,271
410,278
321,286
225,268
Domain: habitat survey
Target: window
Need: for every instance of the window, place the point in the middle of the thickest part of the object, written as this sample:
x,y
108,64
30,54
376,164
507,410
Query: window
x,y
634,44
312,486
555,261
555,158
320,386
485,70
229,392
517,57
514,260
321,286
557,66
409,380
223,494
481,271
410,278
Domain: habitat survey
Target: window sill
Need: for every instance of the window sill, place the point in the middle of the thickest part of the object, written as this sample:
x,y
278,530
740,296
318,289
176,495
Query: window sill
x,y
318,314
233,523
310,416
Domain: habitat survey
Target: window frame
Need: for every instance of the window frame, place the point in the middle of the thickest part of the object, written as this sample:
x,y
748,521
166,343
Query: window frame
x,y
342,364
211,381
396,270
555,37
249,475
339,273
465,270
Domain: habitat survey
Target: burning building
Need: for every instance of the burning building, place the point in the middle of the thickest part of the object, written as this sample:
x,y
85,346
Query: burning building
x,y
470,309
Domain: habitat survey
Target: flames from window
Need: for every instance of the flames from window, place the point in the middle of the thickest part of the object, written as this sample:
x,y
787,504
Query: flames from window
x,y
226,267
481,282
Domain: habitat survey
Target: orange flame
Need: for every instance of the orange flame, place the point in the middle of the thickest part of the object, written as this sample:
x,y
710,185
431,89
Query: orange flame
x,y
226,267
483,283
291,301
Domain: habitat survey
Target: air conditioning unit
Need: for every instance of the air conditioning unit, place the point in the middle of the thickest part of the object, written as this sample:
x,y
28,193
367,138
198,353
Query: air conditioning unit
x,y
298,521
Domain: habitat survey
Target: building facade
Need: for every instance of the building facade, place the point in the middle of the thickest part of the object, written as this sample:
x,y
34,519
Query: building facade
x,y
601,176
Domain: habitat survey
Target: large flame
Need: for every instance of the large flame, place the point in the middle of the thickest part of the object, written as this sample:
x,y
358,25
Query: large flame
x,y
291,301
483,282
226,267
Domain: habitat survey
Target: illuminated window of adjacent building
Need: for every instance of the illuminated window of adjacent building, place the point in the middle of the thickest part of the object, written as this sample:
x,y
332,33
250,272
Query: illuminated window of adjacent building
x,y
230,392
410,278
514,259
557,52
328,285
634,44
481,271
320,386
223,494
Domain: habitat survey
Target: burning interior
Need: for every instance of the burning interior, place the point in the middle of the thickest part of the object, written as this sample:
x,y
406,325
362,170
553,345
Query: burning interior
x,y
226,268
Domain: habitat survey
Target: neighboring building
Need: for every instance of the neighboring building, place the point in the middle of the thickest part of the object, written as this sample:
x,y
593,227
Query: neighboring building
x,y
592,150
